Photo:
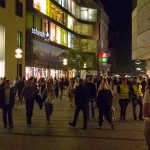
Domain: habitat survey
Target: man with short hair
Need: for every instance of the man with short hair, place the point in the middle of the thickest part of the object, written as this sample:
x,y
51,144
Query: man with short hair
x,y
81,102
7,97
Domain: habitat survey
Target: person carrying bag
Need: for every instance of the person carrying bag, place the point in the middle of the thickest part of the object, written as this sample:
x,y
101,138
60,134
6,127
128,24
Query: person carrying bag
x,y
48,98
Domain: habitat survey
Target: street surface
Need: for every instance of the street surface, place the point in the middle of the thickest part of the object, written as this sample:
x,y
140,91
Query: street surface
x,y
58,135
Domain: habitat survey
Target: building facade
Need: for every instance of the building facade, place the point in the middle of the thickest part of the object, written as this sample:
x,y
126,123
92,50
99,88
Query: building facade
x,y
12,36
50,27
141,31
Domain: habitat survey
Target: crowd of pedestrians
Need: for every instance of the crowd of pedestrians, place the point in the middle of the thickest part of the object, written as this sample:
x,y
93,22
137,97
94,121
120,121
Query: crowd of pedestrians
x,y
84,95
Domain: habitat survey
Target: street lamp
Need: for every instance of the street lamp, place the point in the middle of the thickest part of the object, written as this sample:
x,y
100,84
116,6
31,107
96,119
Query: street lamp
x,y
18,55
84,66
65,62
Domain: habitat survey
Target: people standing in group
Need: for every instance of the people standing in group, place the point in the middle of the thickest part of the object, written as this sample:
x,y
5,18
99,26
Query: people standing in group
x,y
123,90
104,102
91,94
137,96
81,103
7,98
48,98
146,111
29,92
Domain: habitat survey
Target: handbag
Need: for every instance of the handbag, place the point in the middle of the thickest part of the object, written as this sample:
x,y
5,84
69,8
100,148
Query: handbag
x,y
50,98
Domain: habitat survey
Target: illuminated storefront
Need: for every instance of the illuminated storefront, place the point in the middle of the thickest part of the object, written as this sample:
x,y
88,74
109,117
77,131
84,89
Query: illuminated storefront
x,y
52,32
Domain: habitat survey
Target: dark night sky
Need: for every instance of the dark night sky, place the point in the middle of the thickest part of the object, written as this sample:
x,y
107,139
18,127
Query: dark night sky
x,y
119,12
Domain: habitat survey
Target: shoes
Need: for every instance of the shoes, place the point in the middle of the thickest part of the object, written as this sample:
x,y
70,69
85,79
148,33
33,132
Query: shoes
x,y
71,124
100,127
48,122
141,119
5,126
28,125
11,126
112,126
85,128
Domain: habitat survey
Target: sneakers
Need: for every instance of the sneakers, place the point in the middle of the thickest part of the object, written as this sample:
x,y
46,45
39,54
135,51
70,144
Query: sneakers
x,y
71,124
11,126
141,119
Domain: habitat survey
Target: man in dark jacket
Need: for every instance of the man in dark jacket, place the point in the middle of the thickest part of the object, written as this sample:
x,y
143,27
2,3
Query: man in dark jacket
x,y
81,103
7,97
91,95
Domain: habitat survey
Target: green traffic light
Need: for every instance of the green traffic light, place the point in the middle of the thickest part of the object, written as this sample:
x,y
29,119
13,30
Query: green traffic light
x,y
104,60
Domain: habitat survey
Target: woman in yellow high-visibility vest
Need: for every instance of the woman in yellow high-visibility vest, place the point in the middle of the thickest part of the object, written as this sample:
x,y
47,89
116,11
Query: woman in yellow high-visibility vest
x,y
123,98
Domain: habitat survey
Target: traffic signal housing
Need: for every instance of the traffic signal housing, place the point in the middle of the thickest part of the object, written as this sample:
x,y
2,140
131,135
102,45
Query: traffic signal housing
x,y
103,57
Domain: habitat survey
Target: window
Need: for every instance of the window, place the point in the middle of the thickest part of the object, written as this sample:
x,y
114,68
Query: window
x,y
19,39
70,22
19,8
45,25
64,4
53,32
2,3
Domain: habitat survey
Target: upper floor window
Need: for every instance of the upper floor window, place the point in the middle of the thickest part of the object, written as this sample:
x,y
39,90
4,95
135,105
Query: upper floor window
x,y
2,3
19,8
19,39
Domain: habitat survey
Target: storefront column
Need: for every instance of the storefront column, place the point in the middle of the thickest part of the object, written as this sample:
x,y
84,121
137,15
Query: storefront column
x,y
148,67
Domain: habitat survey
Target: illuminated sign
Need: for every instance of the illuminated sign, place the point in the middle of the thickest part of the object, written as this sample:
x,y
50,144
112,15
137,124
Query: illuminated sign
x,y
41,34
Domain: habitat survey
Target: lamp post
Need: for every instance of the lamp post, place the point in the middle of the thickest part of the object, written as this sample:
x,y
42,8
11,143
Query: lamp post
x,y
18,55
65,62
84,65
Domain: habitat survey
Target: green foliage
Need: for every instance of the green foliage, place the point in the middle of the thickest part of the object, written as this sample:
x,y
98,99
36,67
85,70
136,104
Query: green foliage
x,y
78,55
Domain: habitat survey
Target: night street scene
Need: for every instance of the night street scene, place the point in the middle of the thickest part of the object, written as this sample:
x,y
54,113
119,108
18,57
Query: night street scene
x,y
75,75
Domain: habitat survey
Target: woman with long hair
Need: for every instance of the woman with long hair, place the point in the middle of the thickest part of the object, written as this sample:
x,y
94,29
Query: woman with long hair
x,y
146,111
48,98
104,102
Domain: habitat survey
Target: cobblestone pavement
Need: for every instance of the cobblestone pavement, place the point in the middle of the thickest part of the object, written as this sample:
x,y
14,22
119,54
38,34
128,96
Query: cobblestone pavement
x,y
58,135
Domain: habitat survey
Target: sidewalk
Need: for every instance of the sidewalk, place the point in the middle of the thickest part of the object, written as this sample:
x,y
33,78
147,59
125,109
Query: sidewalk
x,y
58,135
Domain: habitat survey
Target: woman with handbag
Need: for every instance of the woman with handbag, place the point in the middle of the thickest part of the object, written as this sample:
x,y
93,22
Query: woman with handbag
x,y
48,98
146,111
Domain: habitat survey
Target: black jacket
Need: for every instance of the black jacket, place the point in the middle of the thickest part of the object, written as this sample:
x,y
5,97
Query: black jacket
x,y
2,96
104,99
91,90
81,99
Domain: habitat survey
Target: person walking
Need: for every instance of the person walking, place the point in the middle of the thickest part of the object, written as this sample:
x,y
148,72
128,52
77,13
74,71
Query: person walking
x,y
29,92
48,98
91,93
71,92
104,103
20,86
56,87
137,95
61,87
81,103
7,95
123,90
146,111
